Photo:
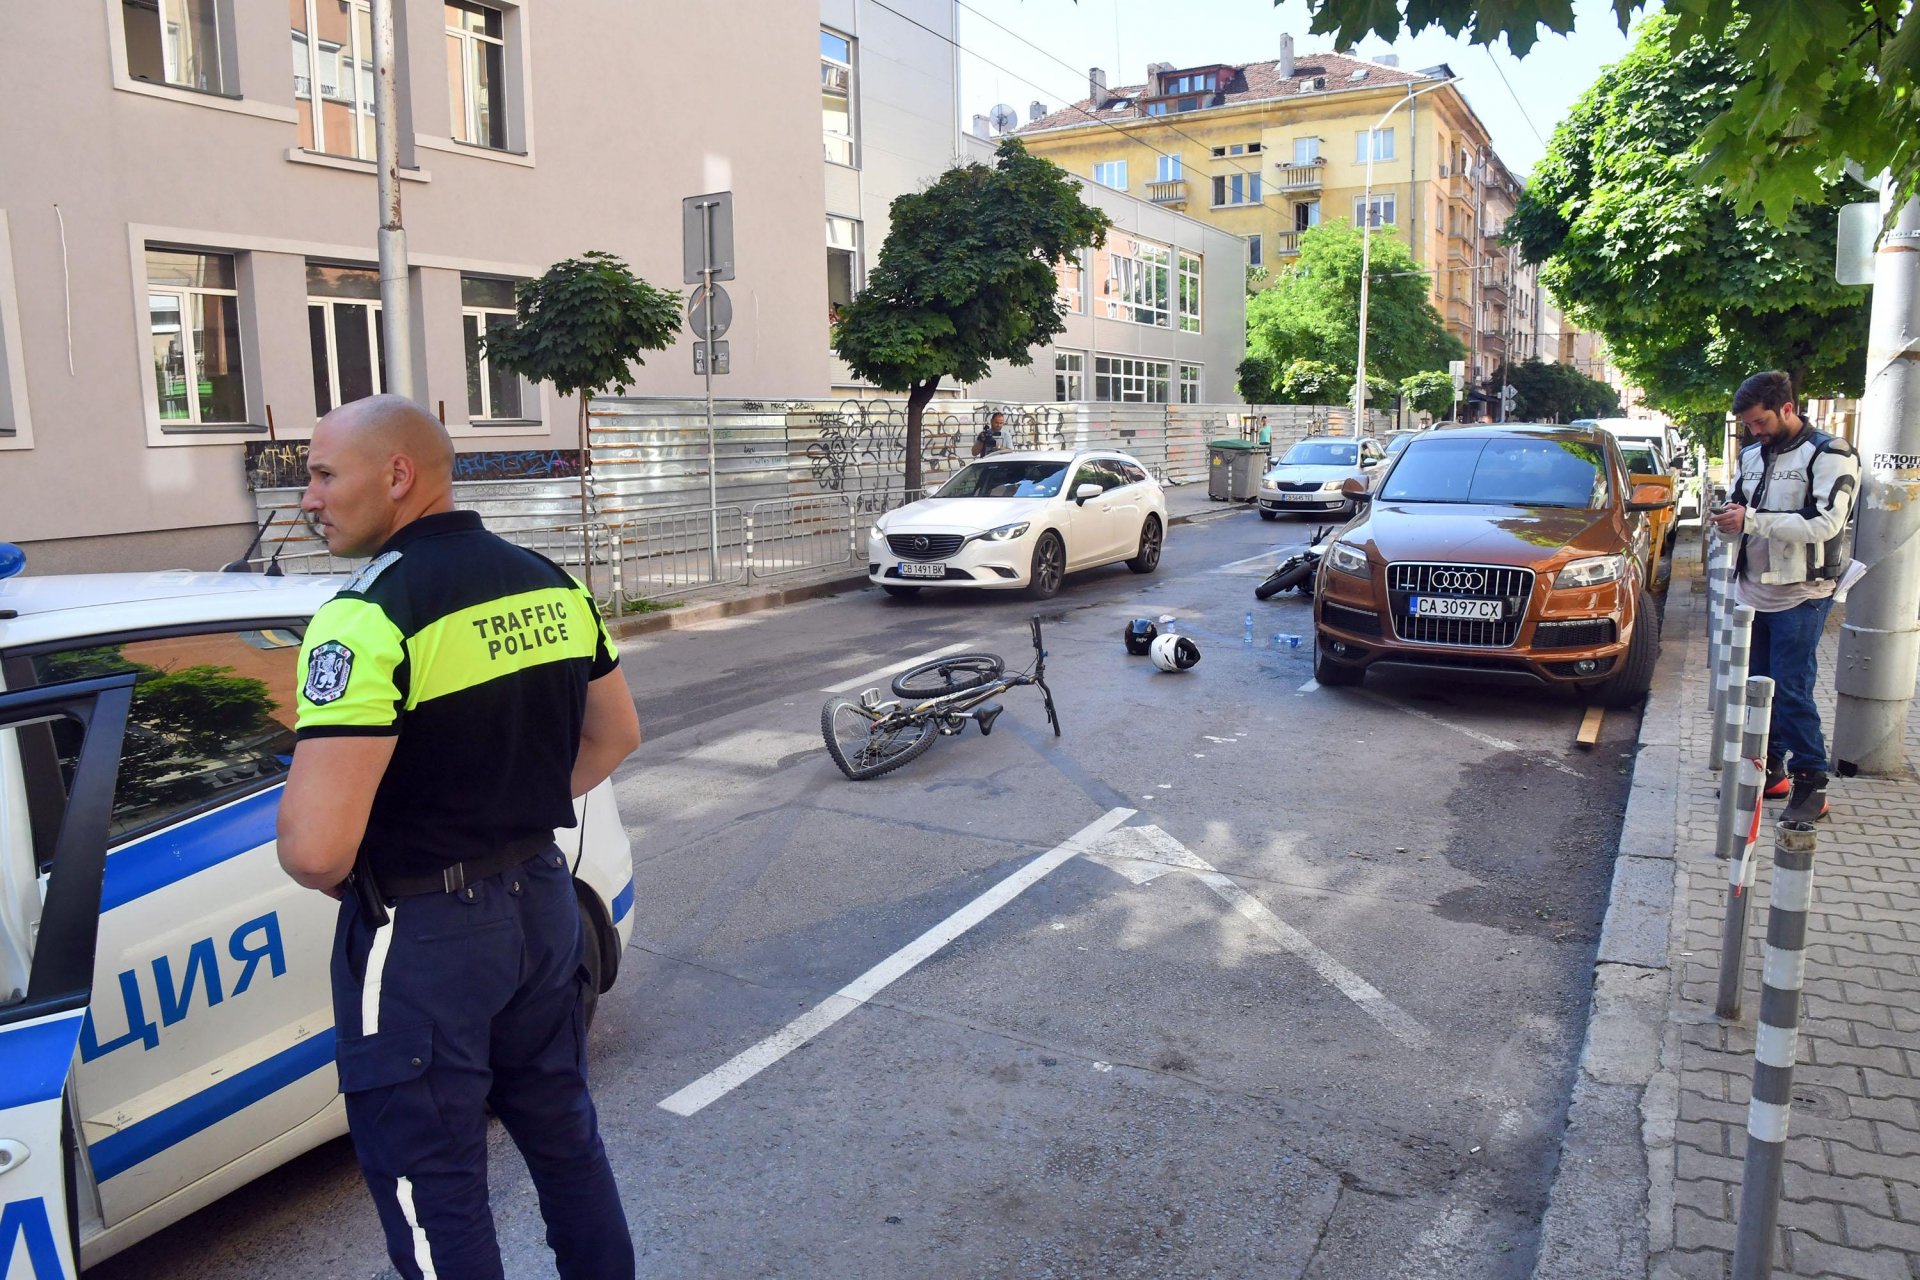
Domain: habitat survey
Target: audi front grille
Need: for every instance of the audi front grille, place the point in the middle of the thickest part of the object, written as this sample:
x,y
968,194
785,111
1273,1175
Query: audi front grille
x,y
1512,587
924,546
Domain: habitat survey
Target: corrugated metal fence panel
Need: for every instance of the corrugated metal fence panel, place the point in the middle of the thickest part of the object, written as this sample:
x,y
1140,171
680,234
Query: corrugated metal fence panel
x,y
650,456
508,506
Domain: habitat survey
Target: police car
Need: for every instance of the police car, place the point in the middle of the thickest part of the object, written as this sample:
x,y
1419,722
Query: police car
x,y
166,1027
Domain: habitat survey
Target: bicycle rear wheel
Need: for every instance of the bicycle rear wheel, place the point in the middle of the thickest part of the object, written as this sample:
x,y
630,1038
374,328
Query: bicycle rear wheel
x,y
866,745
955,674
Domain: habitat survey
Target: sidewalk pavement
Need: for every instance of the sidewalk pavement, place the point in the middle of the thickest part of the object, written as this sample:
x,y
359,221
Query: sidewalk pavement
x,y
1186,504
1650,1168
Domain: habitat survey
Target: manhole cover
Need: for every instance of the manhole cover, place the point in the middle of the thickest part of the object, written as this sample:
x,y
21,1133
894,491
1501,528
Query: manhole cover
x,y
1820,1101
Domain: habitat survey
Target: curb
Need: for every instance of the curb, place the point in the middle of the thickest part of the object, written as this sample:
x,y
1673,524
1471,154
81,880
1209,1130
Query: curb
x,y
773,597
1609,1186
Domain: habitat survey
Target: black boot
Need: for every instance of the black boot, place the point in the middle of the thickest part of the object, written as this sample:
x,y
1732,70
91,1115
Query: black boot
x,y
1809,802
1776,785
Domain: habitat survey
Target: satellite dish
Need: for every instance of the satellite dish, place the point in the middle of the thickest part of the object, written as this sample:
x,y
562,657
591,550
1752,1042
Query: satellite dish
x,y
1005,118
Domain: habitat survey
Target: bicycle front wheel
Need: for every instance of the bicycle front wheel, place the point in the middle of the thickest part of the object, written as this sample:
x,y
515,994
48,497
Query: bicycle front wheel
x,y
942,676
865,744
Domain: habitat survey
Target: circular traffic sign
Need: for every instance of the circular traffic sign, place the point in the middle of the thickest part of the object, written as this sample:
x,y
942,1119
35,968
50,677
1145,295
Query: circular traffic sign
x,y
697,312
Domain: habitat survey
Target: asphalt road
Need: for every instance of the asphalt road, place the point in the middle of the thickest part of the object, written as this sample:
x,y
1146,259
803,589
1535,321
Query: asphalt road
x,y
1303,1000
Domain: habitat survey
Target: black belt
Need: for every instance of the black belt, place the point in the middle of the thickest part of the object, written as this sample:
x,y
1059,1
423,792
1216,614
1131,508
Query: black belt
x,y
461,874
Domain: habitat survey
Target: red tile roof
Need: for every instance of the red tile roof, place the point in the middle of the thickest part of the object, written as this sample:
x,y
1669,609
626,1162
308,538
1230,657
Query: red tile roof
x,y
1252,82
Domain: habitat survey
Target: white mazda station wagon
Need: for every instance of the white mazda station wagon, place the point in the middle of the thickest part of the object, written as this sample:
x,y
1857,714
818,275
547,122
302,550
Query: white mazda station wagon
x,y
1022,520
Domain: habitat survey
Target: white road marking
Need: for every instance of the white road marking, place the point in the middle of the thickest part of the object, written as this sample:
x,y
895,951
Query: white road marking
x,y
754,748
1152,845
1485,739
1309,686
743,1067
1268,559
883,672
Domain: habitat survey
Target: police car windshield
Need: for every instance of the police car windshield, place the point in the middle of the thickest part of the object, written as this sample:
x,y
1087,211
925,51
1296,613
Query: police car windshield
x,y
1011,479
1507,472
1323,453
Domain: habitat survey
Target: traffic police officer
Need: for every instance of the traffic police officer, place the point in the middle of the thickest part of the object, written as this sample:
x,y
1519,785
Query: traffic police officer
x,y
455,696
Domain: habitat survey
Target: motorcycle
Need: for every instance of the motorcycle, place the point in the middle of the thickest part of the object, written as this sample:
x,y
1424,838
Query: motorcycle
x,y
1297,571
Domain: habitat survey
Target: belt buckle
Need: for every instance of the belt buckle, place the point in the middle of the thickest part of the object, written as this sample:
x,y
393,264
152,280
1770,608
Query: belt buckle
x,y
454,878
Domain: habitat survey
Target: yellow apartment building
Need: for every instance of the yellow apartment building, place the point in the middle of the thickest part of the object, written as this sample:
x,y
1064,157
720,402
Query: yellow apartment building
x,y
1265,150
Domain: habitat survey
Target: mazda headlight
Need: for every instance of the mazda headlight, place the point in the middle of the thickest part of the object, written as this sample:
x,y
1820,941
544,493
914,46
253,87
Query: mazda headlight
x,y
1595,571
876,531
1008,532
1347,558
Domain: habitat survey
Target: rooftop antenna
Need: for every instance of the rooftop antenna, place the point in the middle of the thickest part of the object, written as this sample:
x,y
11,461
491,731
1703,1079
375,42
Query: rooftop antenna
x,y
1005,118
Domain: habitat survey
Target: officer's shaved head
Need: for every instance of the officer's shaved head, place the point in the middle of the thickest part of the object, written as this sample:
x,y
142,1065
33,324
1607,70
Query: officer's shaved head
x,y
375,466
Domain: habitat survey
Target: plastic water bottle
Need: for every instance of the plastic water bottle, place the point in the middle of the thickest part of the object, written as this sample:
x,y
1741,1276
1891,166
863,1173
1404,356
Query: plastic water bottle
x,y
1247,636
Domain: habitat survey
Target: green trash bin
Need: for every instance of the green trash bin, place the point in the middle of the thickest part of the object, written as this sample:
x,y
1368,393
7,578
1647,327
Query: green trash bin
x,y
1233,471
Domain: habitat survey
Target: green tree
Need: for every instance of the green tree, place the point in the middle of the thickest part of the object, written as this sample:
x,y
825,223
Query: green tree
x,y
1549,392
1311,313
965,278
1430,391
1691,294
1819,82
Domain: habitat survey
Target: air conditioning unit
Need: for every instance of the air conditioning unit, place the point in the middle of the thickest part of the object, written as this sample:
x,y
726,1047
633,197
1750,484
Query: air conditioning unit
x,y
1315,82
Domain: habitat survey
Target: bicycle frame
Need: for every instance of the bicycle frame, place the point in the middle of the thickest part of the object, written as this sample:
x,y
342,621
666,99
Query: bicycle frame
x,y
954,709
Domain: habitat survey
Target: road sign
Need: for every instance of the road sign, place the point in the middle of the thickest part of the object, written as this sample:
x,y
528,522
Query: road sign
x,y
1457,370
1508,394
721,358
715,208
722,312
1854,246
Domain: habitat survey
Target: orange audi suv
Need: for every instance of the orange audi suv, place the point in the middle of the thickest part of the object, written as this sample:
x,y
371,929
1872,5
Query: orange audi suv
x,y
1513,550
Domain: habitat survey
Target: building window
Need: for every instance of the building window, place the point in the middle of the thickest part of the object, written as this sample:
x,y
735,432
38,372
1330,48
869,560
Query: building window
x,y
1306,150
174,42
1111,173
193,317
1071,273
1256,252
1156,108
1168,169
333,51
1069,375
1253,148
1236,188
477,74
836,95
1236,149
1189,104
843,263
1377,212
1189,293
1189,384
1306,213
486,307
1139,287
345,331
1382,145
1125,378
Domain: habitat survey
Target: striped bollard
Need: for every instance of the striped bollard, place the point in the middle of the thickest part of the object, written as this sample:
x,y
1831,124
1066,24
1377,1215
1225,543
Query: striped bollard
x,y
1718,602
1729,682
1739,836
1776,1040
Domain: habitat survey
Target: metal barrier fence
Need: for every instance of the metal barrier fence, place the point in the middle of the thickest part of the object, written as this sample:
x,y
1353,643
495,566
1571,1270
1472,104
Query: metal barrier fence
x,y
800,534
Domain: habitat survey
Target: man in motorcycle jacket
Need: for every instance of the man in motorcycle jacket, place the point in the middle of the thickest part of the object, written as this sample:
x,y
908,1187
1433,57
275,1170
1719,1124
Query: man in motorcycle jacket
x,y
1789,511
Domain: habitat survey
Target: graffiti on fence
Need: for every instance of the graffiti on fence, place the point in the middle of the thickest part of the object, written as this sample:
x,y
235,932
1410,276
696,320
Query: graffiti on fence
x,y
282,464
861,447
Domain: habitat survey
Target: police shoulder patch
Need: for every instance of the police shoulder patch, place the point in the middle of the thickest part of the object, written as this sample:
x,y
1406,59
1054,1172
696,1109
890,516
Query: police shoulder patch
x,y
329,667
371,570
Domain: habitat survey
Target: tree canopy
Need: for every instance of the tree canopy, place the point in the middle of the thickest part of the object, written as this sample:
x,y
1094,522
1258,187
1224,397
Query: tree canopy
x,y
965,278
583,324
1311,313
1819,82
1548,392
1691,294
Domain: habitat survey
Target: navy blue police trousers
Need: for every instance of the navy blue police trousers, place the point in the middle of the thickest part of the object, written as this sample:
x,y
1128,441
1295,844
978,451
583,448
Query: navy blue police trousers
x,y
463,1001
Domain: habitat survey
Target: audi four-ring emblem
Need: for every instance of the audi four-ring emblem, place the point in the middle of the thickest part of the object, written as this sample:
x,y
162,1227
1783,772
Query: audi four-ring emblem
x,y
1457,580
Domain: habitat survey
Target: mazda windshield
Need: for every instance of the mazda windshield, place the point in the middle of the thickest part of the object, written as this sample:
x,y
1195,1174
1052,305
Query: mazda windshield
x,y
1500,471
1323,453
1011,479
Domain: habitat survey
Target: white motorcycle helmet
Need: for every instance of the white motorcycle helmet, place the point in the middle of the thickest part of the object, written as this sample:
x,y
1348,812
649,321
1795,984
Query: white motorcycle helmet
x,y
1175,653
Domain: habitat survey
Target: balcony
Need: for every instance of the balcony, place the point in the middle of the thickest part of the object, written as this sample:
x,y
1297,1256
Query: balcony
x,y
1494,289
1493,343
1284,244
1302,177
1460,187
1168,193
1459,314
1458,254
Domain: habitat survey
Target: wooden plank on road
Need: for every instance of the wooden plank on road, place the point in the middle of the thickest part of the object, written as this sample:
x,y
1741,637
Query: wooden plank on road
x,y
1590,726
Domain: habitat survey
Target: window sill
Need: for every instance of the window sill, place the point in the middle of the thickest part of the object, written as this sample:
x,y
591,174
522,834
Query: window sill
x,y
202,98
496,424
849,165
187,434
350,164
453,146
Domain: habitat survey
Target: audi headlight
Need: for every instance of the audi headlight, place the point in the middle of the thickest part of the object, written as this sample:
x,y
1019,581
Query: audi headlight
x,y
1347,558
1595,571
1007,532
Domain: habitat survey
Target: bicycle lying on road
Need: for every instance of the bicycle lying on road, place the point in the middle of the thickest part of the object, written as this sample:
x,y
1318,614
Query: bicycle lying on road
x,y
868,736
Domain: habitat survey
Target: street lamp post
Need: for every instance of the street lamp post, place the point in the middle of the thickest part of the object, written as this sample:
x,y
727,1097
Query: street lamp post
x,y
1366,253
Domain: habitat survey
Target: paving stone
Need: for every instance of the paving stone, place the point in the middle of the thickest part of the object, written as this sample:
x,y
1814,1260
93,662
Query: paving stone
x,y
1810,1257
1697,1264
1709,1197
1872,1231
1851,1162
1694,1230
1709,1136
1811,1217
1690,1163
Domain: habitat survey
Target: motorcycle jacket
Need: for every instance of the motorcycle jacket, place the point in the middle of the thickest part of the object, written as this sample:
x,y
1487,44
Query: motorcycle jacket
x,y
1799,498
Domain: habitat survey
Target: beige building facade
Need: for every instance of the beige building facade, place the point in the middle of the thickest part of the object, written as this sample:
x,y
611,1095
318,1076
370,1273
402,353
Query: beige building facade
x,y
187,249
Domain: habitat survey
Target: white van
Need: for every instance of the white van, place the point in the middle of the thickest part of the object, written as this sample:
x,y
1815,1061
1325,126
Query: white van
x,y
166,1023
1644,430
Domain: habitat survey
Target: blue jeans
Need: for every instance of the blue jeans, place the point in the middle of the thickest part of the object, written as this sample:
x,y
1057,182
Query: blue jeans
x,y
1786,646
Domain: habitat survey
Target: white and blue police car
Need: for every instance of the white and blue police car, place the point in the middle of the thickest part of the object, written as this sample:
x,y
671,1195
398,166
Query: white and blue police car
x,y
166,1030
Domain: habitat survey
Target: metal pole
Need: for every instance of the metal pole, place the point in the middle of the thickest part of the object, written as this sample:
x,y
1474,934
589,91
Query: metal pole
x,y
1775,1043
713,481
395,302
1738,838
1880,643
